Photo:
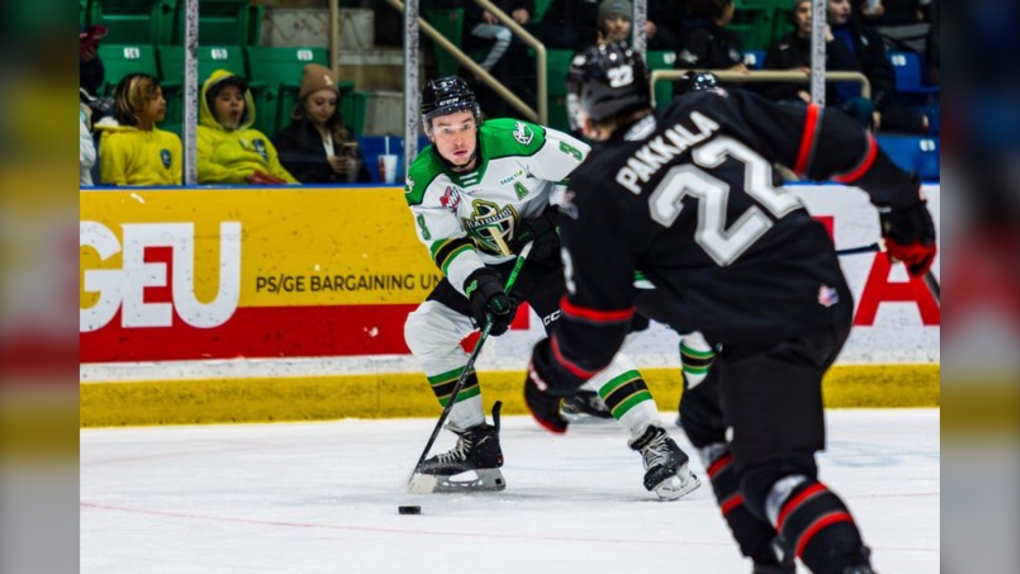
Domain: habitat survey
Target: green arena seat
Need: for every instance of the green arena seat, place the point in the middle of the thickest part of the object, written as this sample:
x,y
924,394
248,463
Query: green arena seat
x,y
220,22
121,60
130,21
662,60
449,22
279,69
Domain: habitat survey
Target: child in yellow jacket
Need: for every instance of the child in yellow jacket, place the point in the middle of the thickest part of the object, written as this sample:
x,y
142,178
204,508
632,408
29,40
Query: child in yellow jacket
x,y
136,152
229,150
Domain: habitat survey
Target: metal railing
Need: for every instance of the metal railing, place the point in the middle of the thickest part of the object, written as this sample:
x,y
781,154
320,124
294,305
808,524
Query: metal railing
x,y
540,116
769,76
540,56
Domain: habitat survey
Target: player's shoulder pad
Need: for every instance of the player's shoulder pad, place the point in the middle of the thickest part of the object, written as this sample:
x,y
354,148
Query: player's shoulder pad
x,y
424,170
504,137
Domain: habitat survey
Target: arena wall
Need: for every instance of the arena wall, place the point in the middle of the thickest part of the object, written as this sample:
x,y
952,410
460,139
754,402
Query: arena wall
x,y
229,305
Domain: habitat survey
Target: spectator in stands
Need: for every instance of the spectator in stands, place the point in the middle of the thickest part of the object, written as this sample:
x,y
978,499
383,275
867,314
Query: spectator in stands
x,y
793,52
507,56
894,12
902,23
663,25
865,52
86,147
614,21
317,147
485,29
569,24
704,42
229,150
91,73
133,151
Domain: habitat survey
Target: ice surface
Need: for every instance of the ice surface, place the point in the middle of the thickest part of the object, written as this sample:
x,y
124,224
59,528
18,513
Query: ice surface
x,y
323,497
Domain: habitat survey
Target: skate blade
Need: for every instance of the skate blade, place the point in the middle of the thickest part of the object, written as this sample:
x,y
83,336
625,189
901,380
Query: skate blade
x,y
484,481
678,485
584,418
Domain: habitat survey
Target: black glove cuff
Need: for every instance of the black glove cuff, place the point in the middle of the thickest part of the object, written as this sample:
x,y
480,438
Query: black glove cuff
x,y
481,275
908,224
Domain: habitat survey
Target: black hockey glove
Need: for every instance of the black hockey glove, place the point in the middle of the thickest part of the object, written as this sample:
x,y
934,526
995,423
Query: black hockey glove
x,y
542,398
484,288
542,230
909,234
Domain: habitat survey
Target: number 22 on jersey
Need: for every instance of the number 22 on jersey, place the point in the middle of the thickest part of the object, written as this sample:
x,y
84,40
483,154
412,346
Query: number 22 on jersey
x,y
723,244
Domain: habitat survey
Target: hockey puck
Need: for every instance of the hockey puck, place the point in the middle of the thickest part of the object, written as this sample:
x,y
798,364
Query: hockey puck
x,y
409,509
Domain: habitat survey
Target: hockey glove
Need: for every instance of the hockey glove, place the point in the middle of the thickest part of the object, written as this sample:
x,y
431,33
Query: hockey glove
x,y
542,230
909,234
484,288
542,404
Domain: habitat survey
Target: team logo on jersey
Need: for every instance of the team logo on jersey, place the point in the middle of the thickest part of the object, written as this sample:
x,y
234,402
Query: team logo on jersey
x,y
487,221
260,147
827,296
409,185
522,133
164,156
451,198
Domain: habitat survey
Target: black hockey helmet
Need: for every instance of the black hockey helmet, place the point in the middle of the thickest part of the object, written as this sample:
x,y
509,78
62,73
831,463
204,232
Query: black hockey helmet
x,y
447,95
606,81
694,81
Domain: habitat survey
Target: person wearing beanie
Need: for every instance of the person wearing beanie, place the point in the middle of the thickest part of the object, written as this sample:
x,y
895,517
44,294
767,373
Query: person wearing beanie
x,y
614,21
132,150
229,149
317,147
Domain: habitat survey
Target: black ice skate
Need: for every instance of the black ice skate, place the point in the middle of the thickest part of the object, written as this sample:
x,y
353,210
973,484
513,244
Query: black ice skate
x,y
667,471
865,565
477,452
584,405
778,561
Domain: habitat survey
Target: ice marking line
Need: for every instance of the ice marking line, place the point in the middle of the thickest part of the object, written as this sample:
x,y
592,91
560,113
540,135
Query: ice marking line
x,y
500,536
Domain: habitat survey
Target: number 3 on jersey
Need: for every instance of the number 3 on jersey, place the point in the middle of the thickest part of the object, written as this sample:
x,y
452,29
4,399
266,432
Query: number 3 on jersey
x,y
723,244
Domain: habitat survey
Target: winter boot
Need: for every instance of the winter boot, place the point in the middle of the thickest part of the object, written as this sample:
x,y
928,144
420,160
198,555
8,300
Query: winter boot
x,y
667,470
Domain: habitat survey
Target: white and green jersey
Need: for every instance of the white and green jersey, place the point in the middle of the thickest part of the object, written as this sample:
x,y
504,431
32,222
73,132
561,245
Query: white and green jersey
x,y
457,214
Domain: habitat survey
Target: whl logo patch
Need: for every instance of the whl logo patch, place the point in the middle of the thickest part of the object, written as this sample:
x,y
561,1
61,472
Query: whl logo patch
x,y
451,198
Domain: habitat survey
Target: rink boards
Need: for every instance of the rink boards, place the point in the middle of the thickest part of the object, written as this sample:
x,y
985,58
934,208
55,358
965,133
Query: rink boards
x,y
219,305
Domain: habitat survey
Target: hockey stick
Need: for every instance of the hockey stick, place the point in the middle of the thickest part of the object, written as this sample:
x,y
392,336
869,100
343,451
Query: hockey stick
x,y
929,278
871,248
467,369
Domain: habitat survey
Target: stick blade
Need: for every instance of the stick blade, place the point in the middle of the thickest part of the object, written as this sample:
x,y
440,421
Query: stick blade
x,y
422,483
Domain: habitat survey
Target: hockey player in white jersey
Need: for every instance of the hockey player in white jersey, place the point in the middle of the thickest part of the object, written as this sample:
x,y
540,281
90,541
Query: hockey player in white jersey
x,y
478,195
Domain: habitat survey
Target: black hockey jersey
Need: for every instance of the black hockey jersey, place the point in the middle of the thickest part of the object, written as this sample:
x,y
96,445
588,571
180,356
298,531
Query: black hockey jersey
x,y
692,199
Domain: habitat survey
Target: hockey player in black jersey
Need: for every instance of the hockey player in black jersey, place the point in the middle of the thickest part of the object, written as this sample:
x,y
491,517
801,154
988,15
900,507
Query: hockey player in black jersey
x,y
692,199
